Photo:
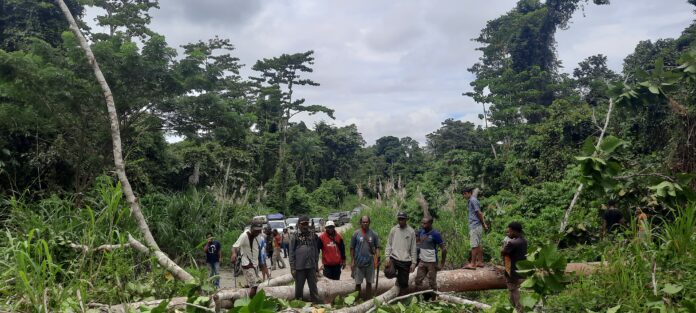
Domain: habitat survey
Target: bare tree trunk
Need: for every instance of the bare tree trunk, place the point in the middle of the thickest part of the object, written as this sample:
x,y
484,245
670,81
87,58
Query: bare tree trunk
x,y
566,216
118,155
448,281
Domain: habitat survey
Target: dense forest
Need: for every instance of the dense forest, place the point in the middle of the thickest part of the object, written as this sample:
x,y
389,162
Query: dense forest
x,y
551,150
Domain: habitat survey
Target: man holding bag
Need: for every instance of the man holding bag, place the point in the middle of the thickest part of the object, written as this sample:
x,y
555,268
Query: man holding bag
x,y
401,251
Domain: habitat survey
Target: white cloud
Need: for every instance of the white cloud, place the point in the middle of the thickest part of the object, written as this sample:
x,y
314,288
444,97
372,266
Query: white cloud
x,y
399,68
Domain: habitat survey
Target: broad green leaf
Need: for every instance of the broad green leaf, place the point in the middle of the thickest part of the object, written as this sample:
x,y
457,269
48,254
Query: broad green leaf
x,y
614,309
610,143
672,289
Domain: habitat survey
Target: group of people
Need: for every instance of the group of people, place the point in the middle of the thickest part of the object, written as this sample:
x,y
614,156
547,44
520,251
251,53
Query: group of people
x,y
406,251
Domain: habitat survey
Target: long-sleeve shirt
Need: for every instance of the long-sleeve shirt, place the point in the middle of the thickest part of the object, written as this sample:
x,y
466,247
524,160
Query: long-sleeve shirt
x,y
401,244
304,251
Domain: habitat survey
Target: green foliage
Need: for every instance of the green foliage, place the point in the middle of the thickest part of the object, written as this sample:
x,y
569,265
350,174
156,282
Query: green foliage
x,y
258,304
545,271
329,195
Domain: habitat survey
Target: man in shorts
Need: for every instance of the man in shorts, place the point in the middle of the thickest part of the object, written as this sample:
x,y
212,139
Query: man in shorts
x,y
476,227
364,250
247,248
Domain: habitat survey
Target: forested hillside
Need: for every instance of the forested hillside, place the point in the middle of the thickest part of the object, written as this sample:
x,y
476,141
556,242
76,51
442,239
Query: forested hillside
x,y
551,149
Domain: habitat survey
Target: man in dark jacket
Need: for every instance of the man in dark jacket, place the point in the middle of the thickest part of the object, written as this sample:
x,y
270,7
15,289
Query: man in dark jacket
x,y
514,250
304,259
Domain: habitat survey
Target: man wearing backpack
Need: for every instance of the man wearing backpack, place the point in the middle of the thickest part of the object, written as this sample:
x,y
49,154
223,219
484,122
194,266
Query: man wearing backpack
x,y
247,248
364,251
304,260
333,252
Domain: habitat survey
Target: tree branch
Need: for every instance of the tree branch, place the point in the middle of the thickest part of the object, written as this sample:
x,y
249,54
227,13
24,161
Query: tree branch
x,y
566,216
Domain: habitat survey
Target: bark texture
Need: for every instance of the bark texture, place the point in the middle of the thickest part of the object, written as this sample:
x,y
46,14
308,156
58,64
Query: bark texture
x,y
164,260
448,281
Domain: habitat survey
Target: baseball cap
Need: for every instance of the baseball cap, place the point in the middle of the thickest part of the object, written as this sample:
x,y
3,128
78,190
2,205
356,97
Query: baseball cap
x,y
402,215
330,224
256,226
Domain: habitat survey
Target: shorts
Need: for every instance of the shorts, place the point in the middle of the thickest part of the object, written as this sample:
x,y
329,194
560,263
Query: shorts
x,y
475,234
251,278
367,273
332,271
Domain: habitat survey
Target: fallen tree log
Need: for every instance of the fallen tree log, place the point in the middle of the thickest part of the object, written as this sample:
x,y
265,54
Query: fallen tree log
x,y
448,281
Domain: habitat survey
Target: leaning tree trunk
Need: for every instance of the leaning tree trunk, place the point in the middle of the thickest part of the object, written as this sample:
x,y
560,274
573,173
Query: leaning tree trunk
x,y
163,260
576,196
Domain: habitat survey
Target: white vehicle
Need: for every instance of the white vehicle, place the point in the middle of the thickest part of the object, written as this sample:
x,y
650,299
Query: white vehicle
x,y
260,219
291,222
277,225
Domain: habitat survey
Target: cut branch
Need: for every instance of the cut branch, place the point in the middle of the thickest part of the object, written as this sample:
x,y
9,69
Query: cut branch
x,y
566,216
162,258
101,248
457,300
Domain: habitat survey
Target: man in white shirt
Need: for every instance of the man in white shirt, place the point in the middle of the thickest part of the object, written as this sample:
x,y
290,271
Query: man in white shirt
x,y
247,248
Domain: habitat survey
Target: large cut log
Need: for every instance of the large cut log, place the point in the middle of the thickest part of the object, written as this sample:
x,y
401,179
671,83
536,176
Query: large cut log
x,y
448,281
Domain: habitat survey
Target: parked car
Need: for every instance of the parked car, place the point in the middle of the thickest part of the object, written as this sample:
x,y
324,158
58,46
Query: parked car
x,y
355,211
275,216
336,218
318,224
291,222
260,219
278,225
345,217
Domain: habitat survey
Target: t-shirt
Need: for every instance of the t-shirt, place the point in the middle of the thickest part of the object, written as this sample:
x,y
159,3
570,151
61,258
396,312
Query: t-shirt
x,y
261,241
248,251
277,240
212,251
365,245
613,217
474,206
515,250
428,242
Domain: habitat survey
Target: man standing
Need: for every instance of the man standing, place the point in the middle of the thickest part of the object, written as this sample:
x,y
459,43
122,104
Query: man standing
x,y
476,227
263,259
276,258
212,257
333,252
515,250
401,250
364,251
304,260
247,248
286,242
612,218
429,240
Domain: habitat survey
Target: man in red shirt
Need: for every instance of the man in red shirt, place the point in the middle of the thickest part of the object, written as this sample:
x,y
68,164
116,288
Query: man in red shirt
x,y
333,252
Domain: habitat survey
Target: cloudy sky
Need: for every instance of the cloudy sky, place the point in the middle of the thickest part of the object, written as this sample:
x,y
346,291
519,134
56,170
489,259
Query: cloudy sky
x,y
399,67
